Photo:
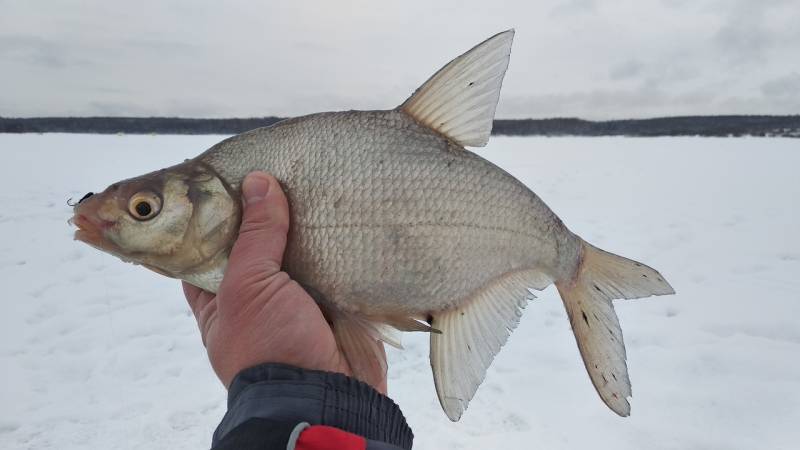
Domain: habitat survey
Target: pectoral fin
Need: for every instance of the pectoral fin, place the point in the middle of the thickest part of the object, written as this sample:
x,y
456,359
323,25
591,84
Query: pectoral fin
x,y
361,342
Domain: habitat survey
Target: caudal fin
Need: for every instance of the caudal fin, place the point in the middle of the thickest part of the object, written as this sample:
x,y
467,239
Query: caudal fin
x,y
601,277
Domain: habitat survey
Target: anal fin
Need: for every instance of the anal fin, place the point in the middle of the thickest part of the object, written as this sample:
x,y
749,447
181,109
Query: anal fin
x,y
472,334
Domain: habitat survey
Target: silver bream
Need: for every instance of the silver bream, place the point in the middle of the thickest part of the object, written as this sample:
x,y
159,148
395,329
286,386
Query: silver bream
x,y
394,226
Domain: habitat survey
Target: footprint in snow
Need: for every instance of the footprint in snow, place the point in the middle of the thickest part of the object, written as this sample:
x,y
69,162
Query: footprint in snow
x,y
37,293
73,255
8,427
77,279
733,221
515,422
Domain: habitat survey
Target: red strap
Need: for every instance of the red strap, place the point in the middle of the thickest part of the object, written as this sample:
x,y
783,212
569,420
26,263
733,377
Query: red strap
x,y
320,437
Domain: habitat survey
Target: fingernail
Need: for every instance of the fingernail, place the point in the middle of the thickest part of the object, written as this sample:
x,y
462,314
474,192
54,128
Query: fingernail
x,y
255,188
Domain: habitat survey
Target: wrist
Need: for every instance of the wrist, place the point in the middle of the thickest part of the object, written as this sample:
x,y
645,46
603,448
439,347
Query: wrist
x,y
290,394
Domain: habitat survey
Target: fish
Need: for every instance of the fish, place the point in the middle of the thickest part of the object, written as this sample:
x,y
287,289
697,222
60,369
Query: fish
x,y
394,226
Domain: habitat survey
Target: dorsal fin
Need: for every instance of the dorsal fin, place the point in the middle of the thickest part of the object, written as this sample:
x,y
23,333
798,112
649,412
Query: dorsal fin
x,y
459,100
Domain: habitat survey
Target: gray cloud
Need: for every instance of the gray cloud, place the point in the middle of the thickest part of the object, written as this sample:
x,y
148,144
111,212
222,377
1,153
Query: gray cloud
x,y
570,7
677,3
642,102
608,103
160,46
743,41
752,30
625,70
589,58
118,108
787,86
37,51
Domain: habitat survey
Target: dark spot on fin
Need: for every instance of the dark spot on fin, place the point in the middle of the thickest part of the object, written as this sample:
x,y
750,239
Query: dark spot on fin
x,y
613,336
585,319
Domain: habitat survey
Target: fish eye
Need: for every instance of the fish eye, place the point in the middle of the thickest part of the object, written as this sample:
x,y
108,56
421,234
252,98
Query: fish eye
x,y
144,205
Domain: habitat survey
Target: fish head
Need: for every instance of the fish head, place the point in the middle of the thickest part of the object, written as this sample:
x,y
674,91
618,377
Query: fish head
x,y
178,221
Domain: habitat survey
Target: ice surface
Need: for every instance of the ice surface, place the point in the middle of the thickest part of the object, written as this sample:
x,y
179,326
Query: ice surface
x,y
95,353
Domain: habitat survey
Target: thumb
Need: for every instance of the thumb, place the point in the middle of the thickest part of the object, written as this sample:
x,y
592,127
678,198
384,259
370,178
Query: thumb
x,y
258,250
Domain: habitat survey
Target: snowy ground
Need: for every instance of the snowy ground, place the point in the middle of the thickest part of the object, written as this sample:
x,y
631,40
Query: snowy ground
x,y
95,353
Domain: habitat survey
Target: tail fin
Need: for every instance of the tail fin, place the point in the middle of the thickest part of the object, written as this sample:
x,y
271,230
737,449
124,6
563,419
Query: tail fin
x,y
601,277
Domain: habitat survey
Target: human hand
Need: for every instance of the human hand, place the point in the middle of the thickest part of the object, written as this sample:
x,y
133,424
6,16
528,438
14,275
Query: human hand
x,y
260,315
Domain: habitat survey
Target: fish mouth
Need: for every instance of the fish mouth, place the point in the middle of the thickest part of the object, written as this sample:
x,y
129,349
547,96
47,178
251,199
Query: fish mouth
x,y
92,231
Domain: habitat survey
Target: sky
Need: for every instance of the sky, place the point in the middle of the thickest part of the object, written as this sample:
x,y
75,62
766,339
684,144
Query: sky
x,y
595,59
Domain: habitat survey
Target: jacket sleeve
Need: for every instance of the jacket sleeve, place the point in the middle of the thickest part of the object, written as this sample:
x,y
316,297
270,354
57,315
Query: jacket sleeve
x,y
279,406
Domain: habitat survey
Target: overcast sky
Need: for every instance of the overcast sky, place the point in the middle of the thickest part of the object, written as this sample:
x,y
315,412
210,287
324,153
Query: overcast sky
x,y
587,58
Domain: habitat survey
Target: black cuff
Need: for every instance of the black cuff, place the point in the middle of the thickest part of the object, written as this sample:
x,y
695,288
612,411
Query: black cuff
x,y
294,395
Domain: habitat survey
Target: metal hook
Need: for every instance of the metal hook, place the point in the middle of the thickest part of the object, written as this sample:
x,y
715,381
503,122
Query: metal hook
x,y
70,202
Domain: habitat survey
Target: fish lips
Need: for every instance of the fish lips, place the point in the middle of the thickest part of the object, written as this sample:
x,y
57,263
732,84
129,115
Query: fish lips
x,y
92,231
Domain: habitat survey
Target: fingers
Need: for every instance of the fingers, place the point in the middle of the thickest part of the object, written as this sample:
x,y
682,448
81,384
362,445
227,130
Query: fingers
x,y
258,250
197,298
190,291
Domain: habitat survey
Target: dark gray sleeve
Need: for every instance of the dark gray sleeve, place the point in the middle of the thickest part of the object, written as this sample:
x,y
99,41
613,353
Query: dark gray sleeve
x,y
290,395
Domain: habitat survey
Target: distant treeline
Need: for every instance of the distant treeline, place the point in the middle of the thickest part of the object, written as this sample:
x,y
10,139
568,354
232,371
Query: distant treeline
x,y
788,126
132,125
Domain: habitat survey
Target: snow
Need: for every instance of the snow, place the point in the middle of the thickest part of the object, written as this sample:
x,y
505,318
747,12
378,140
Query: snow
x,y
95,353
